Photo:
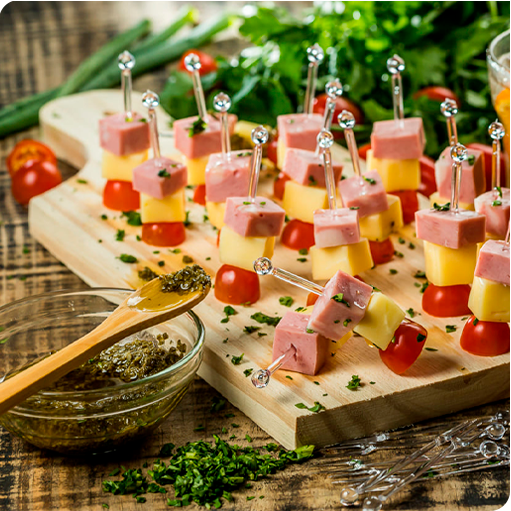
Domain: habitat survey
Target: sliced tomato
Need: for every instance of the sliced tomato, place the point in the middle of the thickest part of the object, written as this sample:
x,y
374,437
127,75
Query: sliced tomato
x,y
409,204
199,195
405,348
236,286
208,63
26,150
280,185
33,178
428,182
312,298
271,151
382,251
485,338
437,93
120,196
362,151
446,301
487,151
297,235
164,234
340,105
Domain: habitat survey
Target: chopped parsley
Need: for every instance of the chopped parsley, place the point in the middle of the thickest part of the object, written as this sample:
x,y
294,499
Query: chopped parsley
x,y
120,235
302,259
228,311
263,318
104,217
398,254
339,298
127,258
354,207
354,383
419,274
303,251
163,173
392,271
247,372
475,321
82,181
427,348
312,181
370,180
372,383
289,377
187,259
450,328
217,404
187,221
401,241
132,218
471,159
411,246
198,126
251,329
161,263
496,203
411,312
315,409
286,301
175,250
346,321
237,360
499,190
442,207
424,287
420,337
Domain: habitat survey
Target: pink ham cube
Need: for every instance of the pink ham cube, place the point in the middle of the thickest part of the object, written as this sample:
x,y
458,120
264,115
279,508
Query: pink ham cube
x,y
496,210
341,306
493,262
312,349
227,178
365,193
203,143
119,137
473,180
300,130
333,228
307,169
403,140
159,177
450,229
262,218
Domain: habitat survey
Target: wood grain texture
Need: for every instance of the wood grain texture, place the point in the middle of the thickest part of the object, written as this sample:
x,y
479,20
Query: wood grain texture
x,y
69,125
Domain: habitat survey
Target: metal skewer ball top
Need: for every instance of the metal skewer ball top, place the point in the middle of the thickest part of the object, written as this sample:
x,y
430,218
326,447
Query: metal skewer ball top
x,y
259,137
395,66
222,104
325,142
346,121
496,131
449,109
126,62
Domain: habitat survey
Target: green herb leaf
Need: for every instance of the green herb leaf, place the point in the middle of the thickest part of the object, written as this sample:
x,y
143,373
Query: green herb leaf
x,y
263,318
126,258
286,301
354,383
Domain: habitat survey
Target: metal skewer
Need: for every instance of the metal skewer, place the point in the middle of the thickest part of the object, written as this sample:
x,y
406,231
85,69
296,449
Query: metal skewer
x,y
261,378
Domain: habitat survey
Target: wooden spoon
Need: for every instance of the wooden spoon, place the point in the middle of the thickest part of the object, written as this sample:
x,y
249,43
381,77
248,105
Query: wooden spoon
x,y
153,303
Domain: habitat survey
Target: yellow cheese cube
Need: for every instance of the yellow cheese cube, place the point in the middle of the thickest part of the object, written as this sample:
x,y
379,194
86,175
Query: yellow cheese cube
x,y
353,259
435,197
169,209
378,227
242,251
489,300
120,168
381,320
196,169
301,201
449,266
244,130
396,174
216,213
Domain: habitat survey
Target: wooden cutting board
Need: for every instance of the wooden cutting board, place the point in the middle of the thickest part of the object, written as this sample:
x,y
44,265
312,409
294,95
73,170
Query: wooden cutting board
x,y
67,221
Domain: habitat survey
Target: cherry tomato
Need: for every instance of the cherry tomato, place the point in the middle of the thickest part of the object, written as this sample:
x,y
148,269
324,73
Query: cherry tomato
x,y
340,105
312,298
164,234
119,195
297,235
280,185
403,351
33,178
199,195
271,151
236,286
382,251
446,301
487,155
362,151
409,204
437,93
28,150
208,63
428,182
485,338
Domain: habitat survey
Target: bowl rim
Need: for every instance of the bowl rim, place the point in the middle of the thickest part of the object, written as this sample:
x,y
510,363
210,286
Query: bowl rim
x,y
174,368
491,50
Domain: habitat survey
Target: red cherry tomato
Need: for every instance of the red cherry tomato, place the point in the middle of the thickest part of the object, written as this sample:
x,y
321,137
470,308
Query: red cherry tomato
x,y
362,151
403,351
340,105
297,235
428,182
485,338
26,150
382,251
236,286
208,63
279,185
487,155
33,178
199,195
271,151
409,204
312,298
119,195
164,234
437,93
446,301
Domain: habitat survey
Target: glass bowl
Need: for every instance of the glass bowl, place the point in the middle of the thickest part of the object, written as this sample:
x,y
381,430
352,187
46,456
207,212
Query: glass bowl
x,y
89,421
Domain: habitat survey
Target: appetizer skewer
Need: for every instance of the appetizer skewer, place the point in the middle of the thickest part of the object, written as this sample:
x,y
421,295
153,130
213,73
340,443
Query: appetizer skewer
x,y
124,138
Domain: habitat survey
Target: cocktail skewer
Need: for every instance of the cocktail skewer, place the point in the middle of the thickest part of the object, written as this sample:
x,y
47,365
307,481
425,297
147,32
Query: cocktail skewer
x,y
261,378
333,90
497,132
459,154
193,65
395,66
151,100
315,55
126,62
222,104
325,142
346,121
449,109
259,137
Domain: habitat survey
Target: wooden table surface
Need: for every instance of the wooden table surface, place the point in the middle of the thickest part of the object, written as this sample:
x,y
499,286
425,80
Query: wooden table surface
x,y
41,44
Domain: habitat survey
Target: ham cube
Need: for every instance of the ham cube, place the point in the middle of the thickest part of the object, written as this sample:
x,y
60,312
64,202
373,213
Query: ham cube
x,y
305,168
262,218
299,130
365,193
333,228
473,180
159,177
493,262
403,140
227,178
312,349
450,229
341,306
496,210
119,137
202,143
